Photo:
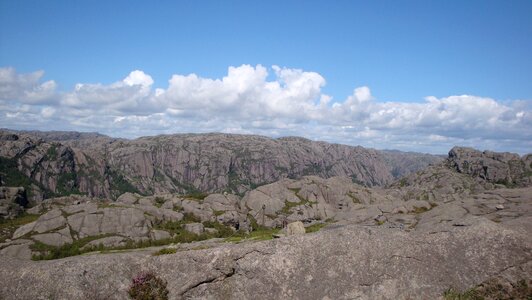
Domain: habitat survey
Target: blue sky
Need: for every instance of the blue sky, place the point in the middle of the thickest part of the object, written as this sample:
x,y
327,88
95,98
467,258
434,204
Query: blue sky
x,y
401,51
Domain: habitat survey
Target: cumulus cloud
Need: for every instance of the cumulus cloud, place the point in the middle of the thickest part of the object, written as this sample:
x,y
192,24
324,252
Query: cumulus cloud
x,y
132,94
246,101
25,88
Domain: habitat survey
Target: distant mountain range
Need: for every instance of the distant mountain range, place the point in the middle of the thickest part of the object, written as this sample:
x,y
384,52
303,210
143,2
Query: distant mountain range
x,y
57,163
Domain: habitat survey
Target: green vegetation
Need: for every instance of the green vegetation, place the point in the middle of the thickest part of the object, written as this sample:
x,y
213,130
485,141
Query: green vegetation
x,y
10,174
315,227
159,201
218,212
261,234
48,252
148,286
492,290
8,226
223,230
419,210
379,223
164,251
254,224
51,154
403,182
196,195
119,184
67,184
507,183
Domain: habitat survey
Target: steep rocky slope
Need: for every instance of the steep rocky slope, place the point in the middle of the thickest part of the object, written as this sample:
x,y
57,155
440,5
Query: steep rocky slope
x,y
60,163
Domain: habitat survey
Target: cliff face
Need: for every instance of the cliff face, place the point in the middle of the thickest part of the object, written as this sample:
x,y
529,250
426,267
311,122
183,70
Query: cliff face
x,y
501,168
51,164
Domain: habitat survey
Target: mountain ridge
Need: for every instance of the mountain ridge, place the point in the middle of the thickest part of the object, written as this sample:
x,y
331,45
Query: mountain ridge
x,y
58,163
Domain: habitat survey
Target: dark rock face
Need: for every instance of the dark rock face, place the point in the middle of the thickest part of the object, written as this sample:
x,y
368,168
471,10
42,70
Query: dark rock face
x,y
501,168
56,164
12,201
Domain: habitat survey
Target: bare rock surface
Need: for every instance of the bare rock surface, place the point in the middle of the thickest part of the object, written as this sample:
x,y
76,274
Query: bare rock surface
x,y
345,262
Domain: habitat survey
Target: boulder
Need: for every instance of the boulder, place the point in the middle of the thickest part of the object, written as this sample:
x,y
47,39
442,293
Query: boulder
x,y
497,167
295,228
159,235
19,251
196,228
57,239
128,198
50,221
23,230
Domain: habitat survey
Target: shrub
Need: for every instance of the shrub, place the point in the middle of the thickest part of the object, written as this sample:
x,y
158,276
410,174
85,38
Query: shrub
x,y
159,201
165,251
147,286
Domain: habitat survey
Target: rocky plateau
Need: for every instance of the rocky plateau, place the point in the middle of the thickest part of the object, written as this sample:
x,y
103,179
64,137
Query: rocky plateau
x,y
375,230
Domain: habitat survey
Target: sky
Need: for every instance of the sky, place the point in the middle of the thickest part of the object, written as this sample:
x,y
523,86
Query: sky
x,y
418,76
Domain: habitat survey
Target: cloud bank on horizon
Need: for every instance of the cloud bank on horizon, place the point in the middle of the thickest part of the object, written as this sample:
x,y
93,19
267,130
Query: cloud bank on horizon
x,y
246,101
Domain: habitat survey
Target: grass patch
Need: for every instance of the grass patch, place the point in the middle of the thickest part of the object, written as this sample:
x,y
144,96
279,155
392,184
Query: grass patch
x,y
492,289
470,294
223,230
256,235
419,210
9,226
165,251
48,252
315,227
218,212
104,204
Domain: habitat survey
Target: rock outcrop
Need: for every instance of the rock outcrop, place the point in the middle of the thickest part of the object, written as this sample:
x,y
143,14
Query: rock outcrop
x,y
502,168
343,262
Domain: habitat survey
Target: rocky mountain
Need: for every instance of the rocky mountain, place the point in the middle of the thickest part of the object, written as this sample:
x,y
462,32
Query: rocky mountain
x,y
433,230
51,164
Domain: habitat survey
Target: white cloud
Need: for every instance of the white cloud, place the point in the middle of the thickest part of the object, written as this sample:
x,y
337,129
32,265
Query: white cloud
x,y
245,101
130,95
25,88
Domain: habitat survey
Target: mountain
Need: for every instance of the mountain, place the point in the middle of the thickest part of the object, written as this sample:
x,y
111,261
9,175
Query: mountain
x,y
61,163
